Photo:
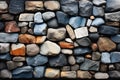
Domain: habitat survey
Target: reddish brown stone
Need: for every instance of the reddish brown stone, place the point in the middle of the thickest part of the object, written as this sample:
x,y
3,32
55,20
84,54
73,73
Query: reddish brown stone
x,y
40,39
66,45
94,46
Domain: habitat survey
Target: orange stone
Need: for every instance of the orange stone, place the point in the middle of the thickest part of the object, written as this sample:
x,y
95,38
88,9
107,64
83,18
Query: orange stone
x,y
88,56
64,44
94,47
40,39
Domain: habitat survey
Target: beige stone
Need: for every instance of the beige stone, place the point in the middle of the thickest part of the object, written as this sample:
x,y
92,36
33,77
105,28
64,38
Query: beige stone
x,y
68,74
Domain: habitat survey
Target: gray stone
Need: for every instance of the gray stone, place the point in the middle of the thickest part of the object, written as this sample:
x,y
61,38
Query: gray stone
x,y
68,74
22,24
117,66
5,57
94,36
98,22
115,57
52,23
114,74
38,17
5,74
48,15
17,59
2,65
116,38
98,11
71,60
80,59
4,47
3,6
105,57
99,2
65,68
75,67
39,71
36,60
96,56
1,25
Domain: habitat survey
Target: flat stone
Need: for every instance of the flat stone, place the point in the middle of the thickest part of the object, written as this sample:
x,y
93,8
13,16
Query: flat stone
x,y
26,17
48,15
39,71
36,60
68,74
77,22
90,65
52,5
84,74
96,56
17,49
5,37
80,59
53,23
67,51
114,56
93,29
71,60
17,59
16,6
3,6
98,11
114,74
5,57
56,34
22,24
4,47
105,57
75,67
100,75
105,44
57,61
66,45
68,40
99,2
116,38
34,5
98,22
2,65
49,48
38,17
81,32
5,73
1,25
52,73
6,16
85,8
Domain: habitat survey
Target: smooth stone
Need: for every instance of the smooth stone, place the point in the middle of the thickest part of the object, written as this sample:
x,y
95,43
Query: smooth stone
x,y
39,71
38,17
68,74
81,51
114,74
22,24
94,36
50,48
77,22
4,47
62,20
71,60
114,56
48,15
2,65
116,38
5,74
98,22
5,57
6,37
81,32
18,59
26,17
100,75
30,31
57,61
89,21
68,40
98,11
36,60
40,39
85,7
3,6
80,59
99,2
75,67
66,45
90,65
53,23
16,6
93,29
105,57
40,29
65,68
7,16
96,56
1,25
67,51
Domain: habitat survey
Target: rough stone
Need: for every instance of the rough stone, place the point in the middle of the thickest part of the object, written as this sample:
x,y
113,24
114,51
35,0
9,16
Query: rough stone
x,y
6,16
1,25
3,6
94,37
3,65
48,15
68,74
75,67
103,67
94,47
105,57
100,75
80,59
114,74
4,47
38,17
24,29
113,23
116,38
22,24
93,29
5,57
26,17
98,11
5,73
39,71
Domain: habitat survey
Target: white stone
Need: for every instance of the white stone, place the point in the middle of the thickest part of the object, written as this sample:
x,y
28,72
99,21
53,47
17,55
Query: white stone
x,y
4,47
93,29
3,6
68,40
22,24
105,57
26,17
17,46
67,51
100,75
89,21
38,17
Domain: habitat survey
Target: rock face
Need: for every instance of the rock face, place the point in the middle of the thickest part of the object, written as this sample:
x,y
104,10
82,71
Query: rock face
x,y
3,6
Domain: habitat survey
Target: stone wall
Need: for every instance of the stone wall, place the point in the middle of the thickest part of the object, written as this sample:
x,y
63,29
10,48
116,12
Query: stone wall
x,y
60,39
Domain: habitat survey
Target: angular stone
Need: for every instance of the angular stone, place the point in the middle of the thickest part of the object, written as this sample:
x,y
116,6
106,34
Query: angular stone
x,y
114,74
49,48
96,56
105,44
71,60
5,57
89,21
26,17
18,59
52,73
68,74
39,71
5,37
57,61
6,16
114,56
99,2
5,74
34,5
98,22
4,47
38,17
36,60
48,15
53,23
16,6
17,49
80,59
68,40
1,25
3,6
100,75
105,57
64,44
98,11
67,51
116,38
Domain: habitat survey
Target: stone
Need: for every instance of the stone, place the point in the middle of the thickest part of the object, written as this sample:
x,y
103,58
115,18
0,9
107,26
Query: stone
x,y
49,48
11,26
118,47
98,22
22,72
57,61
56,34
103,67
114,74
18,59
85,7
38,17
26,17
62,20
81,32
94,37
67,51
16,6
89,21
6,16
93,29
117,66
116,38
52,73
90,65
65,68
48,15
80,59
24,29
36,60
17,49
12,65
30,31
75,67
105,57
40,29
34,5
2,65
5,74
88,56
114,56
68,74
52,5
68,40
100,75
116,24
3,6
94,47
40,39
84,41
105,44
71,60
39,71
5,57
22,24
81,51
77,22
111,67
6,37
69,6
96,56
98,11
32,49
67,45
53,23
99,2
70,32
1,25
84,74
4,47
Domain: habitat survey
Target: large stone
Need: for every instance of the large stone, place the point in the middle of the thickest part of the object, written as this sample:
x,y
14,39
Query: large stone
x,y
5,74
105,57
16,6
114,74
105,44
4,47
99,2
98,11
48,15
3,6
100,75
26,17
38,17
116,38
68,74
114,56
39,71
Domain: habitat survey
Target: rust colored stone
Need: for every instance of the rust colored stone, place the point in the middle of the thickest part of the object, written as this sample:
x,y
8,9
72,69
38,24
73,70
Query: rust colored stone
x,y
40,39
94,47
66,45
88,56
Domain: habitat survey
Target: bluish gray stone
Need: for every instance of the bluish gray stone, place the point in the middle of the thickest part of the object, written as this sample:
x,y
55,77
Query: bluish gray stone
x,y
98,11
1,25
53,23
5,56
105,57
115,57
76,22
39,71
80,59
40,29
114,74
6,37
99,2
98,22
36,60
48,15
116,38
94,36
2,65
38,17
62,18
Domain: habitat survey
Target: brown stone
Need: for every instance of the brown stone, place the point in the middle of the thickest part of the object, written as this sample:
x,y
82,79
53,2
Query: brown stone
x,y
103,67
94,46
105,44
88,56
6,17
11,26
117,24
40,39
64,44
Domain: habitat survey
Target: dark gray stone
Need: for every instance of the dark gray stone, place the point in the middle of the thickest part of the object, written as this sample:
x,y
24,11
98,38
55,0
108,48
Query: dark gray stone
x,y
80,59
52,23
117,66
94,36
5,57
2,65
114,74
98,11
118,47
1,25
115,57
116,38
39,71
75,67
